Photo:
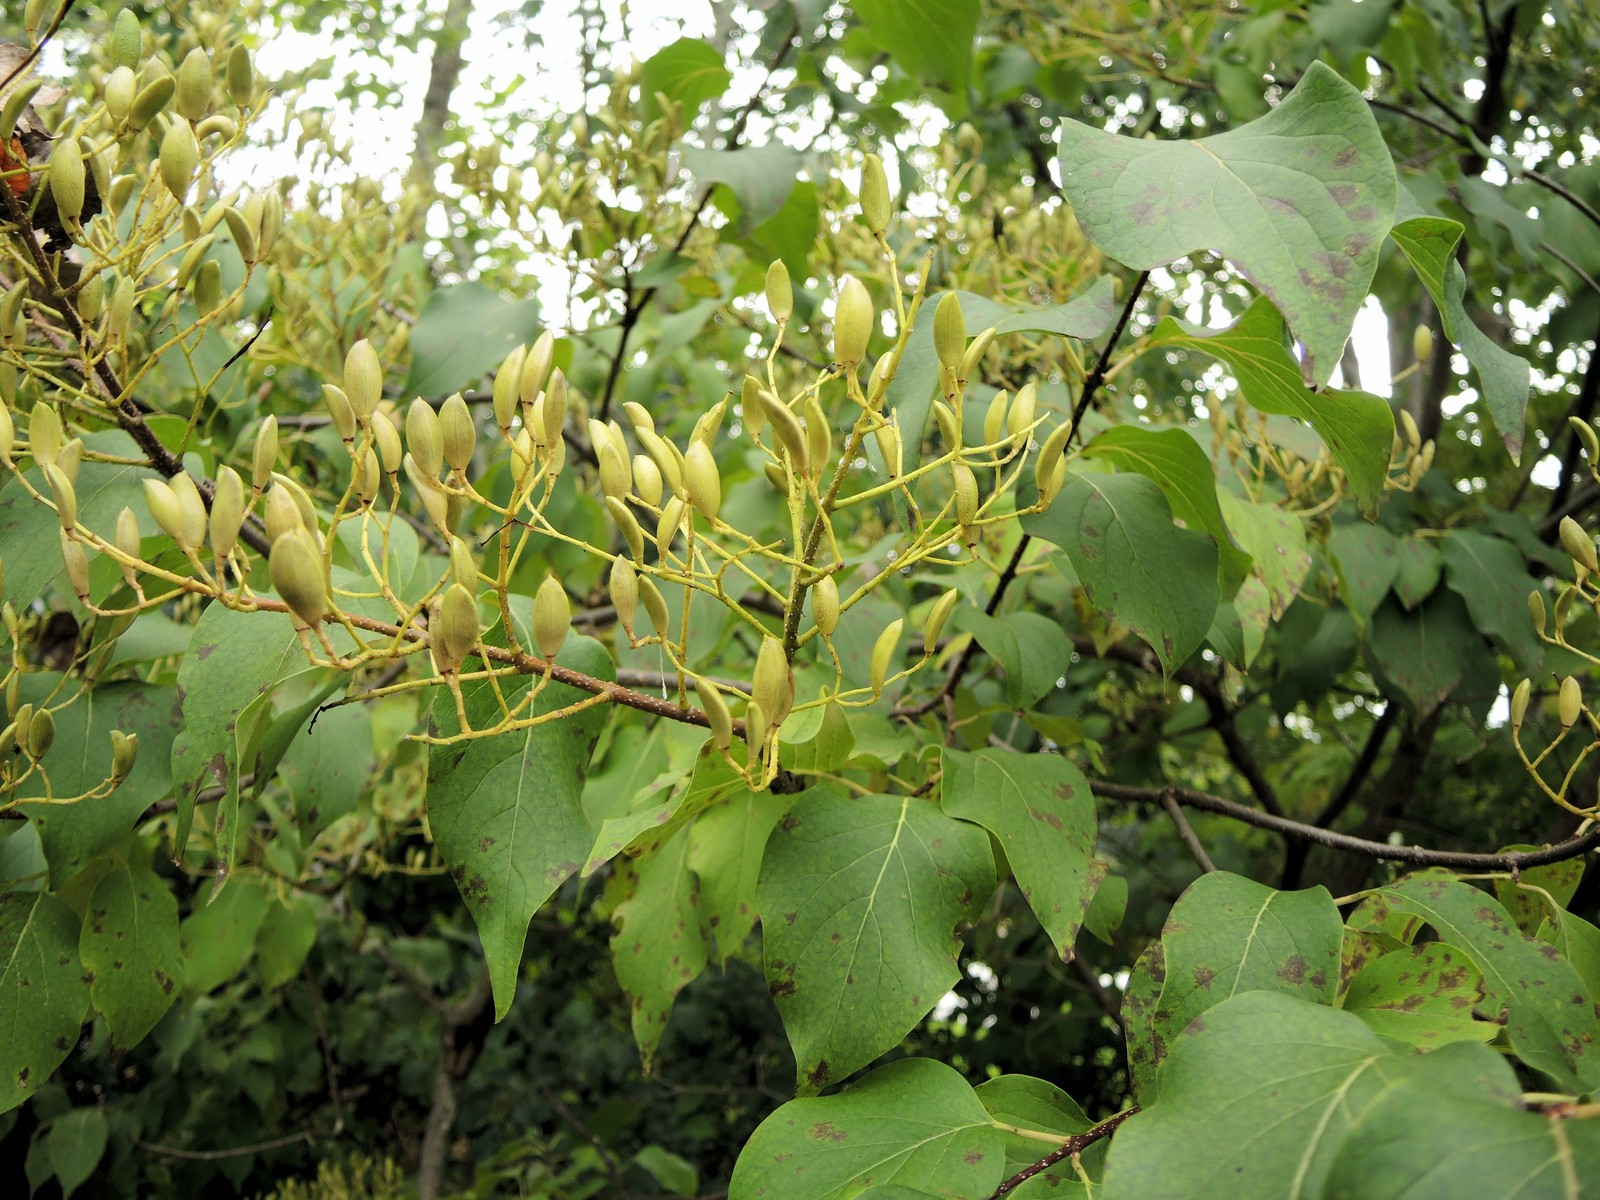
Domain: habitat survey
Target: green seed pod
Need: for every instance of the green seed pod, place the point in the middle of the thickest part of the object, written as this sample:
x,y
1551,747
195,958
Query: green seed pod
x,y
208,286
772,687
624,588
1586,435
852,323
819,439
387,440
1569,702
129,543
65,497
71,458
463,565
91,298
1047,475
670,525
552,617
338,405
194,85
45,435
126,39
15,103
1579,545
1422,343
825,605
632,534
710,423
120,311
124,752
425,439
281,514
780,294
216,124
536,367
42,729
994,418
661,451
883,651
874,195
1020,420
271,223
949,426
296,570
776,477
76,563
639,417
265,456
888,439
457,631
508,388
244,238
241,76
1536,611
366,476
647,479
11,309
655,606
179,159
716,710
750,410
191,260
791,435
755,732
227,512
459,432
937,616
1519,705
615,477
66,175
8,435
966,489
192,509
33,17
21,723
556,404
164,508
1563,607
949,331
975,352
434,501
152,98
363,380
1408,425
702,480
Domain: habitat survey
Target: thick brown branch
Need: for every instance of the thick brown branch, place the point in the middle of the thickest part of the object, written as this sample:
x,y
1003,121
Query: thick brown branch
x,y
1074,1145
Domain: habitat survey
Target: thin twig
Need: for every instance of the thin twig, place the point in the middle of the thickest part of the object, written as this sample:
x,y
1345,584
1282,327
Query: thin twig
x,y
1072,1147
1187,834
305,1135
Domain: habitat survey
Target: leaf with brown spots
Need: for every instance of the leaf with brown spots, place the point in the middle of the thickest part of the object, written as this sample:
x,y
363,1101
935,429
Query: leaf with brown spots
x,y
43,997
1422,996
914,1125
895,878
131,945
1040,809
1028,1103
1299,201
727,845
520,797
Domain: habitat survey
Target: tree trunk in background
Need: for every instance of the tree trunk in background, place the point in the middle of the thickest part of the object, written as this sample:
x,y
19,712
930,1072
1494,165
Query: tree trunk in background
x,y
436,111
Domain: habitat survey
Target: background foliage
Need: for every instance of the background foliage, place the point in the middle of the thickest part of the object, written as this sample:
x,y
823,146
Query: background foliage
x,y
1215,794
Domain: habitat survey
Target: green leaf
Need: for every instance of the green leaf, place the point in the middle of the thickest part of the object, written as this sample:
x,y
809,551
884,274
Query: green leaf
x,y
1106,910
1419,566
219,938
1276,543
760,178
1028,1103
76,1142
643,829
1424,654
1490,575
1257,1100
861,898
662,939
1529,896
1421,995
1228,934
129,945
1180,468
914,1123
1031,648
1357,427
931,40
817,739
1551,1018
507,811
235,660
463,332
1366,558
43,994
327,767
1038,806
287,933
1299,201
1504,377
688,72
792,232
675,1174
1423,1143
74,834
727,845
1137,567
1140,1016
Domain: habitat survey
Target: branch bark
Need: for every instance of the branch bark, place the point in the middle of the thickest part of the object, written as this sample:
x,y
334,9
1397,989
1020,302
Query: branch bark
x,y
464,1031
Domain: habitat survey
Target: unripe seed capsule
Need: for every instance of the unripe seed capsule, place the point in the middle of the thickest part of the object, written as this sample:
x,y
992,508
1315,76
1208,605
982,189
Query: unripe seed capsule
x,y
1536,611
265,456
387,438
788,428
65,497
780,294
975,352
754,416
702,479
1569,703
164,508
624,587
1046,466
296,570
883,651
994,418
716,710
888,439
825,605
121,87
194,85
1585,434
755,732
710,423
1422,343
874,195
124,753
615,479
227,512
1579,545
628,524
639,416
241,76
8,434
937,616
1020,420
363,379
16,100
819,438
179,158
424,439
45,436
152,98
852,323
192,509
670,524
21,723
772,687
126,39
655,606
552,617
647,479
42,729
949,331
1408,425
129,542
1519,705
208,286
458,628
67,176
508,388
432,496
949,426
966,488
339,408
463,566
536,367
556,403
281,514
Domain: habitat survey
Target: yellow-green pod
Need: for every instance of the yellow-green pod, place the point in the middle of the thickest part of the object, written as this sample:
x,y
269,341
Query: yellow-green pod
x,y
208,287
874,195
615,476
66,498
264,458
656,606
1020,419
42,729
507,393
164,508
179,158
716,710
192,508
966,489
363,379
825,605
852,323
124,752
227,512
772,687
536,367
1519,705
45,435
126,39
624,587
459,431
241,76
949,331
1536,611
1569,702
883,652
819,440
556,403
463,565
340,409
151,99
425,439
994,418
1579,545
750,410
457,633
67,175
628,524
702,480
937,616
194,85
280,514
647,481
552,617
129,541
779,291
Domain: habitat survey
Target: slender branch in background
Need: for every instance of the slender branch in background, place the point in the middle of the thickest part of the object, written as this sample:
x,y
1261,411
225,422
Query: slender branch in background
x,y
1296,853
634,308
1073,1146
465,1028
1583,408
1091,386
1187,833
293,1139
